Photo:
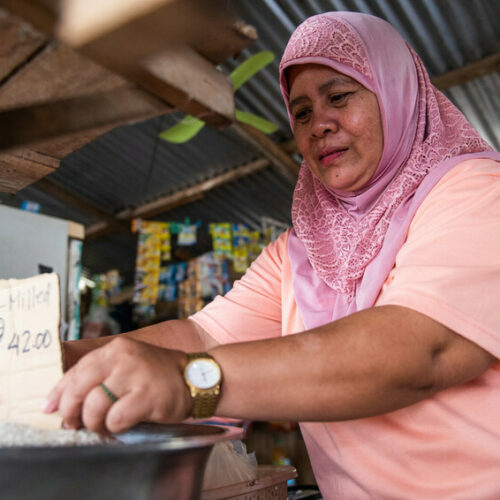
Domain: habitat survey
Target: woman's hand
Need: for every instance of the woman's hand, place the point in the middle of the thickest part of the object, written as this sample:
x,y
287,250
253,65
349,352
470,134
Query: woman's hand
x,y
146,380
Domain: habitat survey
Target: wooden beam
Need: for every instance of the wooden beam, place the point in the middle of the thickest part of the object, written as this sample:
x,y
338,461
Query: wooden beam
x,y
97,230
87,21
23,126
18,42
19,169
163,41
216,44
182,197
56,73
228,41
182,79
279,159
180,75
41,16
469,72
112,28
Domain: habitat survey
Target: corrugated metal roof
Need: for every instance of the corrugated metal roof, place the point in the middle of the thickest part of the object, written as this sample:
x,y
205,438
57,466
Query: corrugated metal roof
x,y
129,166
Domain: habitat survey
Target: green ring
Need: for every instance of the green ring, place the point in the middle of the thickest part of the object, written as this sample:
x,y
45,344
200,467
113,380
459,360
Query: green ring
x,y
108,393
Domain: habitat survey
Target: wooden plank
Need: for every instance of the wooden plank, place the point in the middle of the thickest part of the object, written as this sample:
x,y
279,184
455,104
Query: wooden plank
x,y
466,73
19,169
22,126
144,28
41,15
85,21
97,230
228,41
155,36
56,73
179,75
18,41
184,79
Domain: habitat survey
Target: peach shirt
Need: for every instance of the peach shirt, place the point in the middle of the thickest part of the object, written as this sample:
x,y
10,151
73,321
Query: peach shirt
x,y
447,447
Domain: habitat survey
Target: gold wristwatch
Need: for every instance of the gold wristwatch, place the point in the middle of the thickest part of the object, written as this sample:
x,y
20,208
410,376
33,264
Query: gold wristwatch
x,y
203,377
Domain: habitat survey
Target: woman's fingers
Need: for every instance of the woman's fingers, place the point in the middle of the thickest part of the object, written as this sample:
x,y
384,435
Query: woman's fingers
x,y
51,403
126,412
146,381
68,396
95,408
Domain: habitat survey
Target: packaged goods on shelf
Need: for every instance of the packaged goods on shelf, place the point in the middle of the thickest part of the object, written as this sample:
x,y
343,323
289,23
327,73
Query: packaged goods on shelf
x,y
207,277
221,239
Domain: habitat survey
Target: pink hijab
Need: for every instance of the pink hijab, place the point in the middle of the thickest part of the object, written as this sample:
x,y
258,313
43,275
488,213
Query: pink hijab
x,y
344,244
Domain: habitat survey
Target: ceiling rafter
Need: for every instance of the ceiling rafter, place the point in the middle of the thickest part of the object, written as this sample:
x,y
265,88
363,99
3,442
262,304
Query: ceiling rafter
x,y
181,197
468,72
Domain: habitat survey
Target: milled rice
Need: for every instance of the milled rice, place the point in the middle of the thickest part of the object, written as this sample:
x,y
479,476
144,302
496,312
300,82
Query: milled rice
x,y
13,434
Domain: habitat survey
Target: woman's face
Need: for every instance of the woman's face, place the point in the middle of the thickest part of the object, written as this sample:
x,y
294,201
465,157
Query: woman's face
x,y
336,125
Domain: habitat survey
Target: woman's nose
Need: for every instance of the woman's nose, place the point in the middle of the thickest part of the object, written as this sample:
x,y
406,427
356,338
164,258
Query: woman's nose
x,y
323,123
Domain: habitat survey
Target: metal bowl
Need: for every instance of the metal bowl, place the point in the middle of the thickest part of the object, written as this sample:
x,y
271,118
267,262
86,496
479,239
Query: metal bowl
x,y
152,462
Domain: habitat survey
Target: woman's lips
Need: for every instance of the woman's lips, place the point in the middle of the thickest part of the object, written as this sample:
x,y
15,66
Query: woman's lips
x,y
327,157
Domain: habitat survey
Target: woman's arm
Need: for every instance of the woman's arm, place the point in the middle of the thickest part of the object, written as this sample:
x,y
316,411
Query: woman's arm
x,y
371,362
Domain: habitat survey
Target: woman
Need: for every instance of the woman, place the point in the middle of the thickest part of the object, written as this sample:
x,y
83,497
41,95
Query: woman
x,y
386,282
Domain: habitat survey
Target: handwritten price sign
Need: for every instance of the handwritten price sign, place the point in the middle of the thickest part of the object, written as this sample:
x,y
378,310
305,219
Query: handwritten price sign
x,y
30,350
25,342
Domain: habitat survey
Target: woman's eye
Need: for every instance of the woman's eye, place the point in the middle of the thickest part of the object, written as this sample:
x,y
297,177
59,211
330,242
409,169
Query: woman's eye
x,y
339,98
301,114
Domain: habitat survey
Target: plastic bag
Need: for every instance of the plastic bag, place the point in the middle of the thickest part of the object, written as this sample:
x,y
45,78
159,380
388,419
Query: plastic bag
x,y
229,463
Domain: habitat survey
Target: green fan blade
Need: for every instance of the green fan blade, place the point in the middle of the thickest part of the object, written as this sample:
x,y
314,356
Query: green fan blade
x,y
190,126
183,131
248,68
256,121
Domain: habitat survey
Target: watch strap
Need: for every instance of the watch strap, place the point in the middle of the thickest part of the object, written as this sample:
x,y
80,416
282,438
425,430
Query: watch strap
x,y
204,400
204,403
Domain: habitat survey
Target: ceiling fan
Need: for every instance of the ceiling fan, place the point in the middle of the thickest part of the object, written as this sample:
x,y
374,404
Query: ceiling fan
x,y
189,126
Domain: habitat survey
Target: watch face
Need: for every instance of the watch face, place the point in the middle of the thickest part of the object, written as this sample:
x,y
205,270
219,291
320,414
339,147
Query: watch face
x,y
203,373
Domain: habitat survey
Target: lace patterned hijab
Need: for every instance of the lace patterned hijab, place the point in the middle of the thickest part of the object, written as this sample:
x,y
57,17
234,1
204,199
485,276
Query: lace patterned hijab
x,y
343,231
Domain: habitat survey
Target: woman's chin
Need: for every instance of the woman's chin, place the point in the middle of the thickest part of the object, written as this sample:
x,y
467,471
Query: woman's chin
x,y
340,183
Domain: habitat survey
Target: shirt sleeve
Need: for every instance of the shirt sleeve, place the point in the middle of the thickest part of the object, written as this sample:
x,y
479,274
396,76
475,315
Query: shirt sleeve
x,y
449,266
251,310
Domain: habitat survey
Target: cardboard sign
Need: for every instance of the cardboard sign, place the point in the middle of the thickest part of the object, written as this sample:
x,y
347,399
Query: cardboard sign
x,y
30,348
